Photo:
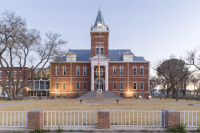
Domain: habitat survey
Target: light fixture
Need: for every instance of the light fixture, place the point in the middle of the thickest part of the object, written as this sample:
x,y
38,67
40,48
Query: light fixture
x,y
149,96
99,24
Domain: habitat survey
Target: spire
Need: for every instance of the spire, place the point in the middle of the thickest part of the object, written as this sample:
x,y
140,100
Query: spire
x,y
99,18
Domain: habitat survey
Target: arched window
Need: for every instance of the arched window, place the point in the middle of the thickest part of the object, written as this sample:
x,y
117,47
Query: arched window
x,y
134,70
142,70
114,70
64,70
121,70
84,70
57,70
102,50
77,70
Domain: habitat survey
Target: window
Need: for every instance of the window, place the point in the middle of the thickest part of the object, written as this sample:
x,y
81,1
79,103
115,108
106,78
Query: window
x,y
121,70
64,70
134,94
0,92
7,83
141,86
121,94
57,94
77,70
64,86
77,86
97,50
15,74
84,70
7,74
141,70
142,95
0,74
102,50
101,71
121,86
114,70
114,86
64,95
20,82
84,86
57,86
134,70
135,86
21,92
57,70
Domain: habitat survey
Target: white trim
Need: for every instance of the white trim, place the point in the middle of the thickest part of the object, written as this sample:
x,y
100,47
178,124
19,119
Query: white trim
x,y
78,86
63,85
77,69
133,85
122,85
134,69
140,85
64,70
142,68
129,62
85,86
115,86
56,85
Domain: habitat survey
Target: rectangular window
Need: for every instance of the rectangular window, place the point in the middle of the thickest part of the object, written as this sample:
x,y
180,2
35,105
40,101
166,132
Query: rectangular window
x,y
15,82
77,70
114,86
114,70
101,71
64,70
64,86
20,82
97,50
141,86
0,92
21,92
0,74
57,94
102,50
141,70
15,74
57,86
121,70
135,86
135,95
84,86
134,70
84,70
77,86
7,83
121,86
57,70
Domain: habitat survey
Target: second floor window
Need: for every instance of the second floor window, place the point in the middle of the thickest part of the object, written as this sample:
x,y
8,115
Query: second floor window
x,y
114,70
134,86
102,50
134,70
97,50
142,86
77,70
84,70
121,86
101,71
57,70
141,70
64,70
114,86
121,70
15,74
77,86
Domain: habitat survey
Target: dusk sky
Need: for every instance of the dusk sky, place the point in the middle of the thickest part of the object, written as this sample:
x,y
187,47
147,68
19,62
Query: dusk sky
x,y
154,29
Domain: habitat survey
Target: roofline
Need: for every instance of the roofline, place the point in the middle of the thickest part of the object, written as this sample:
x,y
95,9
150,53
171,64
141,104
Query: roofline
x,y
70,62
129,61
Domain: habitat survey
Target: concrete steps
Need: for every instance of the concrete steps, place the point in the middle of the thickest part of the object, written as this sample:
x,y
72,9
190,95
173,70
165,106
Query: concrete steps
x,y
106,94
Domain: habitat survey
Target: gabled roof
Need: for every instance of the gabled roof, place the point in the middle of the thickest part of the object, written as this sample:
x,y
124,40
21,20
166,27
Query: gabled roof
x,y
114,55
99,18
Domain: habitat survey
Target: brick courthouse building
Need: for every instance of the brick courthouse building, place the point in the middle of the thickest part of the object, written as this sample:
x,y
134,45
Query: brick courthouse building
x,y
121,72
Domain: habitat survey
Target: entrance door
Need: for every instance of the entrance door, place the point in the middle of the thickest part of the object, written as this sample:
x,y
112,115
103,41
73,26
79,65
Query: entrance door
x,y
101,84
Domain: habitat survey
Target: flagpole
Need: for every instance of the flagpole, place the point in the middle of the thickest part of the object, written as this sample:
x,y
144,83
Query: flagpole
x,y
99,58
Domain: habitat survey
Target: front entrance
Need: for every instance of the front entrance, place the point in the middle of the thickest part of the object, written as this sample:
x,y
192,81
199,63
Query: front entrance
x,y
101,85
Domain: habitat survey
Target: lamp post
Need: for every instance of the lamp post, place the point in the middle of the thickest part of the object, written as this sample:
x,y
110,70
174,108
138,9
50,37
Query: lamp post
x,y
99,26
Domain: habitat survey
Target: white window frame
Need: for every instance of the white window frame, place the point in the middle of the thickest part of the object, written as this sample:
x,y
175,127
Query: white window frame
x,y
121,86
114,70
141,70
97,47
85,68
135,70
114,86
64,70
121,70
134,85
78,86
57,70
1,74
85,86
101,71
102,51
56,85
63,86
77,70
142,84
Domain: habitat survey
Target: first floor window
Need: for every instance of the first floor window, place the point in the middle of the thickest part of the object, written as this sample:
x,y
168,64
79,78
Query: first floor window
x,y
114,86
121,86
134,86
84,86
134,94
57,86
57,94
64,86
77,86
142,86
64,95
142,95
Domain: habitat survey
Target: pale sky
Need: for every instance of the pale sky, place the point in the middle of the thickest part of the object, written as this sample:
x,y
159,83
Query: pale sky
x,y
154,29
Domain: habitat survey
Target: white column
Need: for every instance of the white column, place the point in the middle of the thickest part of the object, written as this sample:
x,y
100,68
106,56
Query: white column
x,y
106,79
92,78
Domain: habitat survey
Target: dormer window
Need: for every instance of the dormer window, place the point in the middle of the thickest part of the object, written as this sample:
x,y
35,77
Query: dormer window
x,y
71,56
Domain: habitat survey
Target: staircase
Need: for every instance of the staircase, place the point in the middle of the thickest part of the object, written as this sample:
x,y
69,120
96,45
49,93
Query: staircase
x,y
106,94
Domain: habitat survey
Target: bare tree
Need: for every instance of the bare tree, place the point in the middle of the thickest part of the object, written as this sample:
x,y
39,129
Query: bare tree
x,y
153,84
21,47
